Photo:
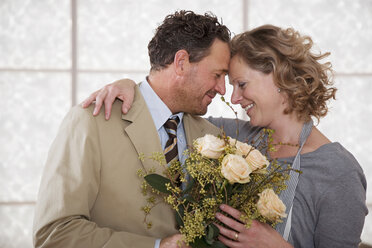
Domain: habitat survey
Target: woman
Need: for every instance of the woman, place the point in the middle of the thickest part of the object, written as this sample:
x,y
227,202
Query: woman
x,y
282,85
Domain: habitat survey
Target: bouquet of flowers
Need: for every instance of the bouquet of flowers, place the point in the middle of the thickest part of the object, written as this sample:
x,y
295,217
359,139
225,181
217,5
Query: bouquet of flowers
x,y
217,170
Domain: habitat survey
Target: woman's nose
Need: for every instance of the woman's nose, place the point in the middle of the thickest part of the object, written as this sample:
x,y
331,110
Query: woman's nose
x,y
236,97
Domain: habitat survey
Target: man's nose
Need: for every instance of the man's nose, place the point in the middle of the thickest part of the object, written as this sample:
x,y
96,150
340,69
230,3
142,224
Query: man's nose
x,y
221,87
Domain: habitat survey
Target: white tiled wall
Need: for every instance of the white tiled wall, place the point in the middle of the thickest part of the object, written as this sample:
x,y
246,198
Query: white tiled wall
x,y
35,103
35,34
116,36
35,79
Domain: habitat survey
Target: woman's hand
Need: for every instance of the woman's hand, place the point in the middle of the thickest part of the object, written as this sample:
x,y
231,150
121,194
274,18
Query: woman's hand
x,y
259,235
122,89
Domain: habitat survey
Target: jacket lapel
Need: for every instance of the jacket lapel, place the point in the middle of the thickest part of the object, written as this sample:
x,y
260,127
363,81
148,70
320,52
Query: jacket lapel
x,y
142,131
196,127
192,129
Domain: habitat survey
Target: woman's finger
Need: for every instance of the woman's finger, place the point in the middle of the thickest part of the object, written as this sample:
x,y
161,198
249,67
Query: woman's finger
x,y
99,100
233,235
88,101
231,223
231,211
228,242
109,100
128,97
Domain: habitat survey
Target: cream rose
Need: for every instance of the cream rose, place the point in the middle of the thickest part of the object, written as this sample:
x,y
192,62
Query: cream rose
x,y
241,148
235,169
270,206
257,160
210,146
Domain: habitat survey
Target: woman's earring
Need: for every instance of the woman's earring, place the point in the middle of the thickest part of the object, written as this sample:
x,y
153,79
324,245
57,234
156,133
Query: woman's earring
x,y
279,90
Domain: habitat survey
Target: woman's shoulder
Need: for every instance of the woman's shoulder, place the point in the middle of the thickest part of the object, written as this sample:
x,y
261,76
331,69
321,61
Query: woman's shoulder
x,y
236,128
329,155
333,158
331,173
333,151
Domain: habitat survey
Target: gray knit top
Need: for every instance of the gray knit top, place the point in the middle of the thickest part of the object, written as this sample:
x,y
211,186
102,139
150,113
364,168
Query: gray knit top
x,y
329,205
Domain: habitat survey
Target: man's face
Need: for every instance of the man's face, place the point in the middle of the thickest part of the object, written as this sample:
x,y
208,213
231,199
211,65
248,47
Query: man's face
x,y
205,79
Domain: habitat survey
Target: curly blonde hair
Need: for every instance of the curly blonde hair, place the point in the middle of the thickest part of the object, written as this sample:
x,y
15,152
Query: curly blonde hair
x,y
296,70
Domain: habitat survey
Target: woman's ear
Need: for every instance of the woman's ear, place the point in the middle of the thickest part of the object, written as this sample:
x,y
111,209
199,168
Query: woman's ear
x,y
181,62
284,98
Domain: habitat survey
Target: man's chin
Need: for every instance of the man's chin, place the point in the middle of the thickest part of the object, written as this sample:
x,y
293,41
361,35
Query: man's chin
x,y
199,111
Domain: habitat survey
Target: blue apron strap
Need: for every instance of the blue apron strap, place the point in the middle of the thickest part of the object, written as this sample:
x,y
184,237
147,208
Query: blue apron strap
x,y
287,195
288,225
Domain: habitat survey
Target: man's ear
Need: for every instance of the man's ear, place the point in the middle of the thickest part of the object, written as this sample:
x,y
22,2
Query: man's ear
x,y
181,62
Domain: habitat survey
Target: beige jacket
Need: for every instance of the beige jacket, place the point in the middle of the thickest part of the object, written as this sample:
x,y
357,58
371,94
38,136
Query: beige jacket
x,y
90,194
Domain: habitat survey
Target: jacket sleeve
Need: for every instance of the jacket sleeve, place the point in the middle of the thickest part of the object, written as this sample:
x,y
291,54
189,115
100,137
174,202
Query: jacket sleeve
x,y
68,190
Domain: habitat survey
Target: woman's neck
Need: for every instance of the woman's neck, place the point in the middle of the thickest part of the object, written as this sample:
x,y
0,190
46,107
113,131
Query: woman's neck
x,y
286,136
287,130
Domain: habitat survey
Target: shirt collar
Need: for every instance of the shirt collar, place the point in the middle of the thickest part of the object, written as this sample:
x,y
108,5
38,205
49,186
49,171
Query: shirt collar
x,y
159,111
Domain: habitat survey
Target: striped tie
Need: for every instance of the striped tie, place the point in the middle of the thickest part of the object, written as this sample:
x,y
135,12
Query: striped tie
x,y
171,150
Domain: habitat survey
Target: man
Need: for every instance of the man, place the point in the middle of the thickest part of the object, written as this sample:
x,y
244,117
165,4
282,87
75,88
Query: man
x,y
90,194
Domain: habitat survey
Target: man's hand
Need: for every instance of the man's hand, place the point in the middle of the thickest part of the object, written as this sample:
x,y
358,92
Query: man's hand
x,y
174,241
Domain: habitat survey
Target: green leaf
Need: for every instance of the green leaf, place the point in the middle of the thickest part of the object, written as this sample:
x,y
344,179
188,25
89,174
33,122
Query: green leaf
x,y
209,237
188,198
200,243
215,229
219,244
229,188
158,182
227,191
189,185
181,212
212,233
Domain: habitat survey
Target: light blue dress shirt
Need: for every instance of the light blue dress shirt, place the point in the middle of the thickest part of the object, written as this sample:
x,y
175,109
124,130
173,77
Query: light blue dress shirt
x,y
160,113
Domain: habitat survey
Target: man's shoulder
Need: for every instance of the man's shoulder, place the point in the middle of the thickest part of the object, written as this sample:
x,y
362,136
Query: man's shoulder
x,y
79,114
195,118
202,124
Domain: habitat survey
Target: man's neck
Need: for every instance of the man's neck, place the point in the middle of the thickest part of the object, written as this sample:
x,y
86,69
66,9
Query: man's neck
x,y
162,83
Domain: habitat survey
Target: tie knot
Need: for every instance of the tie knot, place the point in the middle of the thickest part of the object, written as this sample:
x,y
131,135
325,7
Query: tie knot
x,y
171,124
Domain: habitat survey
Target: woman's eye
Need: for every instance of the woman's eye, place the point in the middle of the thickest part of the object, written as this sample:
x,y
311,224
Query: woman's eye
x,y
241,84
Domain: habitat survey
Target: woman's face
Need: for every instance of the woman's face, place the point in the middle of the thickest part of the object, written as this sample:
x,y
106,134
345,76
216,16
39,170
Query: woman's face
x,y
256,93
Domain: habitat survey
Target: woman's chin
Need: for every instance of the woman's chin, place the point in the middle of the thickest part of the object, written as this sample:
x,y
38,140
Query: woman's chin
x,y
255,122
252,121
